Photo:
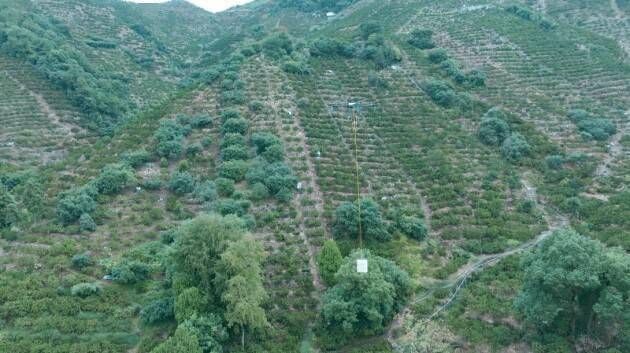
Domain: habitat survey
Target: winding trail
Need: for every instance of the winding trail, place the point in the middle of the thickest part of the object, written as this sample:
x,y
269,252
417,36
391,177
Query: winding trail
x,y
459,279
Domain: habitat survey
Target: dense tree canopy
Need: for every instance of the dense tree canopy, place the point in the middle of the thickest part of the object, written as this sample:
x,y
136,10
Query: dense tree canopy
x,y
364,303
329,260
574,286
346,220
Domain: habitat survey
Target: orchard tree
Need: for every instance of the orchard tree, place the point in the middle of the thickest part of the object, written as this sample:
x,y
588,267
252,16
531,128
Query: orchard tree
x,y
209,330
346,220
362,304
329,260
493,131
515,147
31,196
114,178
74,203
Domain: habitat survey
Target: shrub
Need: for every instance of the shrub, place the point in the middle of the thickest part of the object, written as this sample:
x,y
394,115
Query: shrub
x,y
262,141
80,261
329,260
441,92
182,183
84,290
188,303
296,68
229,206
259,192
346,220
234,170
169,137
421,38
193,149
74,203
225,186
277,45
413,227
368,28
493,131
598,129
256,106
130,272
233,140
238,126
234,152
274,153
86,223
136,158
206,191
554,161
515,147
377,81
577,115
329,48
230,114
476,78
438,55
114,178
157,311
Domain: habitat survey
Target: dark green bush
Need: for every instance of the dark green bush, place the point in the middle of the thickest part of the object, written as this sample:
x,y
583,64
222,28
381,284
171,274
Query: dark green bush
x,y
84,290
234,170
238,126
182,183
74,203
421,38
114,178
515,147
158,311
130,272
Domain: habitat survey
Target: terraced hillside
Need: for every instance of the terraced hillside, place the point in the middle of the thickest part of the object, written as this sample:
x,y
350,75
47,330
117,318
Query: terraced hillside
x,y
475,152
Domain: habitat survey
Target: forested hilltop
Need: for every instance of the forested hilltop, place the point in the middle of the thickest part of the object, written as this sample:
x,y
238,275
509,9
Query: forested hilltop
x,y
173,180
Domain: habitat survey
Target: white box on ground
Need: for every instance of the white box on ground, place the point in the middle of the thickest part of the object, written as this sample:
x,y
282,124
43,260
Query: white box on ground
x,y
362,265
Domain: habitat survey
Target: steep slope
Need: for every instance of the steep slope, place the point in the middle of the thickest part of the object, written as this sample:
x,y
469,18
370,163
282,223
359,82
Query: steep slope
x,y
418,141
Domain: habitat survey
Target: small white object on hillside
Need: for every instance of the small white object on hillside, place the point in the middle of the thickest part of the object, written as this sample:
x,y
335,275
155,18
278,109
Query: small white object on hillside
x,y
362,265
330,14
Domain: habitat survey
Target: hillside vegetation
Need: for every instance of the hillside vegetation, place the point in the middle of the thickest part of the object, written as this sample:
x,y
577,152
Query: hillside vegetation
x,y
173,180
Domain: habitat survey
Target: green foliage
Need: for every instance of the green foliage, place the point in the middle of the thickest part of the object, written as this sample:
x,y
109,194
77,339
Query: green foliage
x,y
573,286
330,48
80,261
183,341
295,67
209,330
130,272
35,38
329,260
114,178
8,208
182,183
277,177
234,170
346,220
233,139
157,311
367,28
86,223
137,158
529,15
316,5
188,303
259,192
597,129
442,93
262,141
438,55
277,45
84,290
493,129
206,191
225,187
413,227
169,137
362,304
198,246
234,152
30,195
74,203
515,147
238,126
421,38
377,81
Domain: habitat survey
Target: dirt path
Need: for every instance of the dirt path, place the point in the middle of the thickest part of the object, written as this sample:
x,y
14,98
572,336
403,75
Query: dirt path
x,y
459,279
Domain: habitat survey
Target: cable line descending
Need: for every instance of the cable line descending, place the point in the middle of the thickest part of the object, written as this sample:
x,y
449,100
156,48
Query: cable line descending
x,y
355,108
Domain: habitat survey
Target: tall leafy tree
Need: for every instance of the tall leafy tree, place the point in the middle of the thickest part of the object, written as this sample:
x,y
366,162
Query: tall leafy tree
x,y
329,260
243,298
573,285
364,303
199,244
346,220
